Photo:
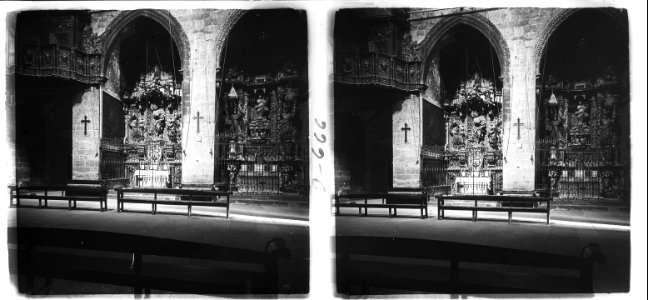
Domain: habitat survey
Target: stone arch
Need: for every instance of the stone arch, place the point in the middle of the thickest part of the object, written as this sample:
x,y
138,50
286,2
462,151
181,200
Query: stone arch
x,y
557,20
111,36
432,43
223,34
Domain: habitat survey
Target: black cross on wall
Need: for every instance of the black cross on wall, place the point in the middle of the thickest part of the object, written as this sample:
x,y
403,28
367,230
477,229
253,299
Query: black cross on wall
x,y
197,118
518,125
85,122
406,129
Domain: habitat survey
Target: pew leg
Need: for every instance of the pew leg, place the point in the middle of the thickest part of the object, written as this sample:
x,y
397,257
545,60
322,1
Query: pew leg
x,y
189,210
395,211
510,215
136,266
454,274
152,208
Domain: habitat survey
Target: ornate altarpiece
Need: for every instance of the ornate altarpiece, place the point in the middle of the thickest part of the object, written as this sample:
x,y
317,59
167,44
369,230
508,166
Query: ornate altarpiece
x,y
473,151
579,148
153,116
260,145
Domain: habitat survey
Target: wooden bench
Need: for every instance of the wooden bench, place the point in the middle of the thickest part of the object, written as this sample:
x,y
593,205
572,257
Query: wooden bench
x,y
395,199
505,203
184,197
70,193
388,265
145,263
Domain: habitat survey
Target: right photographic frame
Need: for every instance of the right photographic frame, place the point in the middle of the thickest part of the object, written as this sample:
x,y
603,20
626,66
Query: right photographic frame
x,y
482,150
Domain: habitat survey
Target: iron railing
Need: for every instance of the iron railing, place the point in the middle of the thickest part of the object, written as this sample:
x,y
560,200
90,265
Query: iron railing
x,y
112,162
261,169
377,69
470,171
591,173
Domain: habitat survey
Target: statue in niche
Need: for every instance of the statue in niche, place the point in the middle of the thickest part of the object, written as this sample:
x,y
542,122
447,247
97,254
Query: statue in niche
x,y
494,135
260,125
236,116
581,116
479,126
173,125
557,120
457,138
135,129
261,109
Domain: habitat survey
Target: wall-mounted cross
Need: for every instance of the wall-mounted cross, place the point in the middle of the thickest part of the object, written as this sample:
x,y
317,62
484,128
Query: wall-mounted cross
x,y
518,125
197,118
406,129
85,122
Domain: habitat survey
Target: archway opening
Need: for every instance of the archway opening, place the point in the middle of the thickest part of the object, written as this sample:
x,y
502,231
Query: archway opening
x,y
142,107
463,114
263,104
583,110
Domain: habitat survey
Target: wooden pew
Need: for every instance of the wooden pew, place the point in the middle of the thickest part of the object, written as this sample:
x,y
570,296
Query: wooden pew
x,y
183,197
386,265
70,193
144,263
393,200
505,203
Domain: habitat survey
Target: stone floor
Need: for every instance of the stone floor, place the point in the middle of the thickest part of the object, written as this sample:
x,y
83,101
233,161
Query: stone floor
x,y
250,226
568,232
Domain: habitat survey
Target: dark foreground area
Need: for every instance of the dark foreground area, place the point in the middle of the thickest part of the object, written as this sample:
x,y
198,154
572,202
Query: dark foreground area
x,y
61,252
578,253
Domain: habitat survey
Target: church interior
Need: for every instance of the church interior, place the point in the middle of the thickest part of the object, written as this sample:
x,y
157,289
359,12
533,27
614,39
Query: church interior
x,y
473,118
139,136
262,84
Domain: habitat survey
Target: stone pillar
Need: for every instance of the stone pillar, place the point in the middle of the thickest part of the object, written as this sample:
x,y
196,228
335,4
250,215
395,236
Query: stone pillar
x,y
519,154
10,104
86,137
406,155
198,143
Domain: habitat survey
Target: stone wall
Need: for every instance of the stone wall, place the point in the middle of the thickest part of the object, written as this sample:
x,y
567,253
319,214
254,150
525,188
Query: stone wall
x,y
85,143
406,166
520,30
205,31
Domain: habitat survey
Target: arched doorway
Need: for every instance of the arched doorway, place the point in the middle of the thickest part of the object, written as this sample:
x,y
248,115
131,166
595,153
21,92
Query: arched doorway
x,y
263,104
583,106
462,117
142,140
